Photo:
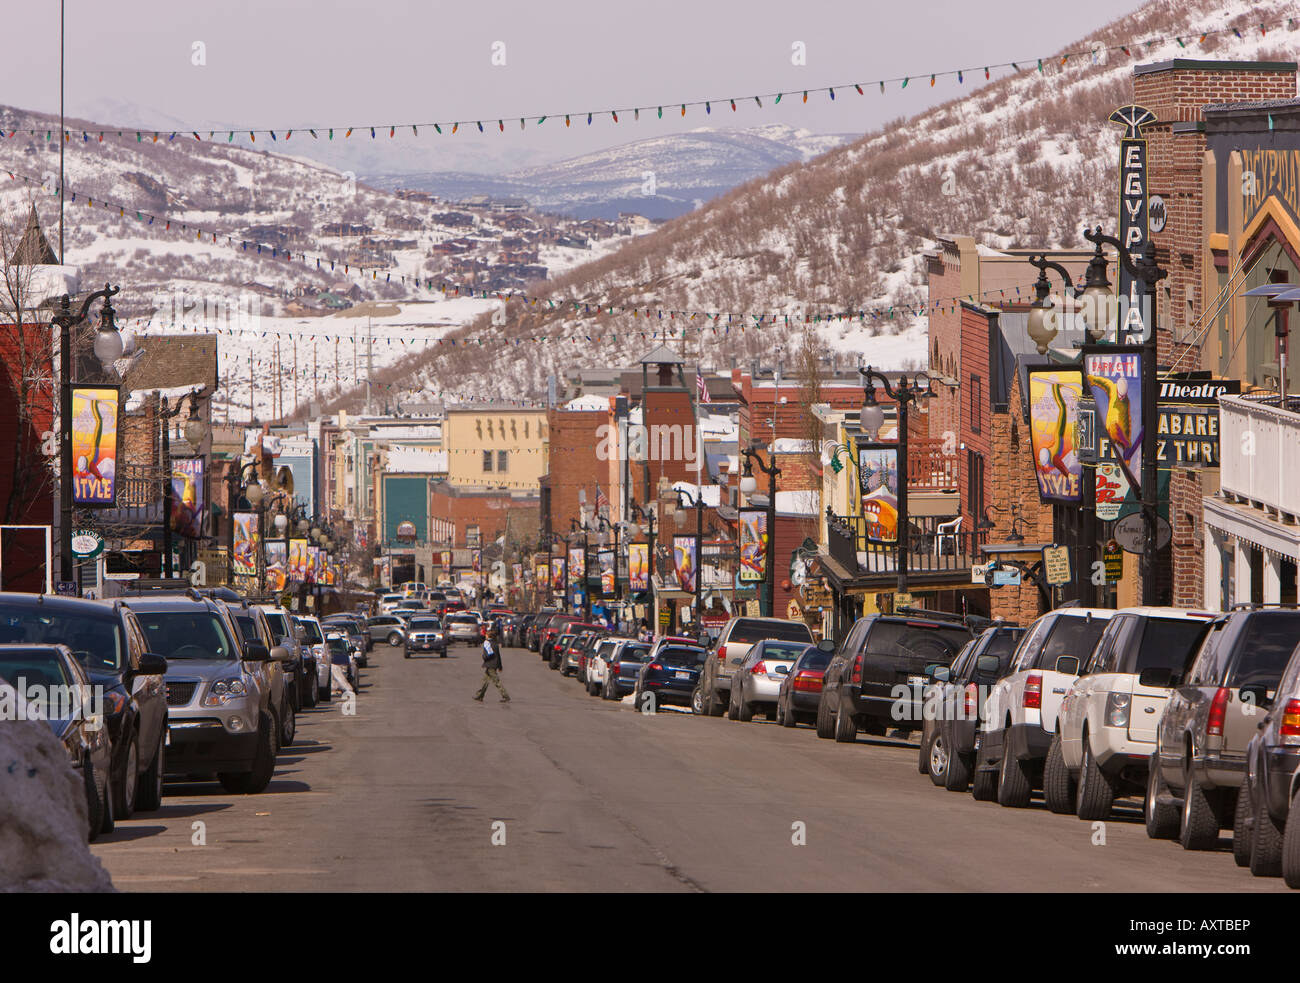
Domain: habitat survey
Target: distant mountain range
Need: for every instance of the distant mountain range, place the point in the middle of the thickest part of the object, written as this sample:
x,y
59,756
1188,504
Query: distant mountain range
x,y
660,177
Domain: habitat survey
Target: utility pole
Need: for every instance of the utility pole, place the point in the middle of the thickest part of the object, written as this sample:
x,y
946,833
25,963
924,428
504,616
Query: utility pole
x,y
252,413
370,363
315,371
295,372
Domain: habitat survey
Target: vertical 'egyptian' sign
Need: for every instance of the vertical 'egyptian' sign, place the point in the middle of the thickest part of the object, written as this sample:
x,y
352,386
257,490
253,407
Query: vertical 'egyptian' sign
x,y
1134,319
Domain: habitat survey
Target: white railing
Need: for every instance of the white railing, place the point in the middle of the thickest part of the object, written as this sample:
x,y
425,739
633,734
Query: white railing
x,y
1259,449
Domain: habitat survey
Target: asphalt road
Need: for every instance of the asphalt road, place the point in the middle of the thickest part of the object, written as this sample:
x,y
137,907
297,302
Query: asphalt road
x,y
411,792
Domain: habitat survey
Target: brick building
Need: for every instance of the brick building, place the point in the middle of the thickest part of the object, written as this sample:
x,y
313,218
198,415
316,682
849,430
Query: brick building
x,y
480,516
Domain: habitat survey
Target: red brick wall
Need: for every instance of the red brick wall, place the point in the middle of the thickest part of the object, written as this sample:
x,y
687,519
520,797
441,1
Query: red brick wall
x,y
1185,493
947,353
487,511
21,453
975,361
574,463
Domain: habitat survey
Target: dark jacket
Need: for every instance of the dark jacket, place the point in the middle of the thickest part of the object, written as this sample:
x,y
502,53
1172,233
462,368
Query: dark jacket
x,y
491,654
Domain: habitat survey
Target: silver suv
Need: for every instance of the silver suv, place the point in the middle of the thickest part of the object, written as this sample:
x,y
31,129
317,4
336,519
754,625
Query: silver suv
x,y
219,691
463,627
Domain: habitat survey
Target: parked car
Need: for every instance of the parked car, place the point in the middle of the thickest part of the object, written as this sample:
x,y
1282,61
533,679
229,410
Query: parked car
x,y
341,654
801,687
948,740
558,625
426,634
540,620
386,628
1021,709
302,658
876,679
1107,723
314,636
1214,710
106,640
219,693
737,637
669,677
355,629
756,683
51,685
563,656
623,666
586,648
254,627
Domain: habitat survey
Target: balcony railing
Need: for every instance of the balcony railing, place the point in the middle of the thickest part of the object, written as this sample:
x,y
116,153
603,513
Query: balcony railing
x,y
1259,448
937,548
139,497
928,467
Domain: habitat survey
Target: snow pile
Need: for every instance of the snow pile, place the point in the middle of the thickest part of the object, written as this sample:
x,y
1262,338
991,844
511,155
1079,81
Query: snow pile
x,y
43,817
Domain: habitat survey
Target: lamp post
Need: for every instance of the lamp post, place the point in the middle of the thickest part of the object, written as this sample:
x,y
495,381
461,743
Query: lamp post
x,y
108,349
253,494
748,485
696,503
195,431
872,418
1097,292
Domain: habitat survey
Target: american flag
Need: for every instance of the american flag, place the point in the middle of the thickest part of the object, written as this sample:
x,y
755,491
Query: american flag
x,y
701,389
602,503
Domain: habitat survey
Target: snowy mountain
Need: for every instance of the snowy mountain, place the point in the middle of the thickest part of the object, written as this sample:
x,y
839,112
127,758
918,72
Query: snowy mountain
x,y
660,177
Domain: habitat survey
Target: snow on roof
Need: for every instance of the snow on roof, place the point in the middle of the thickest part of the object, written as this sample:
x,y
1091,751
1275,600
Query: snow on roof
x,y
415,460
588,403
712,494
137,398
790,445
798,503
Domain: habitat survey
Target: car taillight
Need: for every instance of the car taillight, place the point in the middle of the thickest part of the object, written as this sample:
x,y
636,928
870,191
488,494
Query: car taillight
x,y
760,668
807,681
857,671
969,700
722,655
1033,699
1218,710
655,666
1290,730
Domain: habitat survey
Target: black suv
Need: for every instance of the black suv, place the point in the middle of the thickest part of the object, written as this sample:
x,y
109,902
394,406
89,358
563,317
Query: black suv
x,y
878,676
106,639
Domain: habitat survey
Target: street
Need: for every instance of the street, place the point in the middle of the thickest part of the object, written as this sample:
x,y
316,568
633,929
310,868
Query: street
x,y
411,792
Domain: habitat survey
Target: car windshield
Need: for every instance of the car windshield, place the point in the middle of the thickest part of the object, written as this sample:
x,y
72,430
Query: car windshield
x,y
938,643
427,624
680,655
1003,645
247,627
462,619
312,630
814,658
40,677
756,631
277,622
634,653
1266,645
1167,643
1072,636
779,651
186,635
93,637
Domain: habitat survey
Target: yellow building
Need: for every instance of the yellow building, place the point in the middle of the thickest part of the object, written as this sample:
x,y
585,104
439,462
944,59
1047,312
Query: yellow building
x,y
499,445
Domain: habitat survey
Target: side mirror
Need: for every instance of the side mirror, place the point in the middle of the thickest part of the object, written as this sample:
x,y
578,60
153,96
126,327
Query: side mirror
x,y
256,652
940,674
987,664
279,654
826,645
152,664
1068,665
783,670
1156,676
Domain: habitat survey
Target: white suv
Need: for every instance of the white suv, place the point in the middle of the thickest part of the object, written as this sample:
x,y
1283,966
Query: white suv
x,y
1108,720
1020,713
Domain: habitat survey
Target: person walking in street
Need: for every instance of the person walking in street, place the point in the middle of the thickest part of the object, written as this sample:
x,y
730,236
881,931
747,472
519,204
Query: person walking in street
x,y
492,665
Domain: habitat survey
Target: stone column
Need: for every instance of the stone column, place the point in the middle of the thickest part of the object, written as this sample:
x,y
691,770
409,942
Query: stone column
x,y
1241,572
1272,578
1212,556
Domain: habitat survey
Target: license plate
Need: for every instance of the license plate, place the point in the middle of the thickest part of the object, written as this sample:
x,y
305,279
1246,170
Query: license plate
x,y
167,738
916,680
682,675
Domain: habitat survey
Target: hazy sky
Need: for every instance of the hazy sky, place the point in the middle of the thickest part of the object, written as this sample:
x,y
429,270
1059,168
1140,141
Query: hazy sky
x,y
298,63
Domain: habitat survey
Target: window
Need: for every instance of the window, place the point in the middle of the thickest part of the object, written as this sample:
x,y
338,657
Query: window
x,y
976,402
503,461
975,484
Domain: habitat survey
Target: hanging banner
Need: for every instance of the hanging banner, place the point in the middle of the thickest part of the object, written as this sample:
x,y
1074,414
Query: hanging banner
x,y
313,563
541,575
577,564
476,561
1112,488
517,573
445,559
878,487
94,445
559,581
298,561
685,562
277,560
1134,232
753,546
188,496
1114,379
1053,404
1112,556
606,560
638,565
247,543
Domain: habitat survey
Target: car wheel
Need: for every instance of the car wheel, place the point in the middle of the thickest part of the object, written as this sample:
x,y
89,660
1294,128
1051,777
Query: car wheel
x,y
443,654
1199,829
148,798
939,760
394,639
744,709
1059,790
1162,819
1096,789
712,705
94,801
984,786
825,725
957,778
1241,822
697,701
312,695
289,728
124,796
846,730
787,717
1265,842
254,781
1291,845
327,691
1013,782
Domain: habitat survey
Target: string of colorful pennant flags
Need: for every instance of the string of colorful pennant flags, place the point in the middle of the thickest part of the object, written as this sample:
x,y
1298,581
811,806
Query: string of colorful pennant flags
x,y
450,127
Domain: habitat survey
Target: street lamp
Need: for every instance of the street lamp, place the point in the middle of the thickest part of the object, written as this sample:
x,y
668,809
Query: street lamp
x,y
872,418
107,352
748,485
195,431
